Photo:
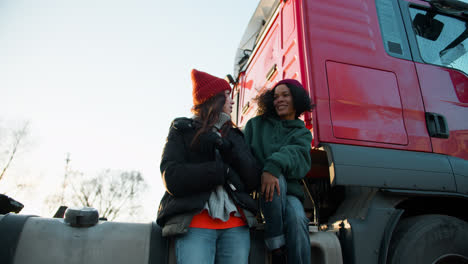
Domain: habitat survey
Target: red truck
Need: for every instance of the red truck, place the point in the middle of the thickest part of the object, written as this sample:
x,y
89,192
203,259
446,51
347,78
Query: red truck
x,y
389,174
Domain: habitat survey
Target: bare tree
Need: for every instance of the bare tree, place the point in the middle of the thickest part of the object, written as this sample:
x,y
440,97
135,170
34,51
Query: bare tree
x,y
114,194
18,136
111,193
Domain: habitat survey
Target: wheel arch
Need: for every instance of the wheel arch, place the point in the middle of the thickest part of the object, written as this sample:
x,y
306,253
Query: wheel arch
x,y
416,203
425,202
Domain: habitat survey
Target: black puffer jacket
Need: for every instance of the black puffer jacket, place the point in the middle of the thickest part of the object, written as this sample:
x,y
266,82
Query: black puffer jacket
x,y
190,175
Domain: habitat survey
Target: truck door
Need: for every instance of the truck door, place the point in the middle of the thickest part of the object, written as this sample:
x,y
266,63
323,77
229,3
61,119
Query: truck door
x,y
362,75
439,45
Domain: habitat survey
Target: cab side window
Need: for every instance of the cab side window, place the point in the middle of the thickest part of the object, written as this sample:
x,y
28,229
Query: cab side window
x,y
442,40
392,29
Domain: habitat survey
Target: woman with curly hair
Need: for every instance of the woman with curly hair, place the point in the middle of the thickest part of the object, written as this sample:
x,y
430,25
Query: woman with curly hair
x,y
281,143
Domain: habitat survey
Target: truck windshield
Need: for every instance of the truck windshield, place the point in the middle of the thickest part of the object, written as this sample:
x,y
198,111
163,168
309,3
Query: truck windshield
x,y
448,49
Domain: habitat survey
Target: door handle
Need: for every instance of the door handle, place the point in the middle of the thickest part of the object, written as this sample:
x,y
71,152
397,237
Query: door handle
x,y
437,125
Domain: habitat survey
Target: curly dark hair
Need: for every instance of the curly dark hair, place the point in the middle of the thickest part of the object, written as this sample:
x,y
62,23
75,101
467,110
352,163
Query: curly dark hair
x,y
299,95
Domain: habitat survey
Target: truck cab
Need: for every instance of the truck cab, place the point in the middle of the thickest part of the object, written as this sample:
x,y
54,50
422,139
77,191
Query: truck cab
x,y
390,146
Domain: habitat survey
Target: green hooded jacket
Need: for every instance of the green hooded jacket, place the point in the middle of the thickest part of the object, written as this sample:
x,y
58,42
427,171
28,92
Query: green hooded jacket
x,y
282,147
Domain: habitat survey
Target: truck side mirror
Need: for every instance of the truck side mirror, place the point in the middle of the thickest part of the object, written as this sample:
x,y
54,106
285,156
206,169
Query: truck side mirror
x,y
230,79
427,27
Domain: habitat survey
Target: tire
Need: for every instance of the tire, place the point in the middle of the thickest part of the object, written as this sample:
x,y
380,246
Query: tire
x,y
429,239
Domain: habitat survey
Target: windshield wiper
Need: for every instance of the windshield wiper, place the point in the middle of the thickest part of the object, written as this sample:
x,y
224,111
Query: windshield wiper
x,y
456,41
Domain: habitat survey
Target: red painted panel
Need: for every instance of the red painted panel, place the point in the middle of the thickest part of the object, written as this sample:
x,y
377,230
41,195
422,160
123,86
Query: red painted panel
x,y
365,104
255,82
348,32
288,23
445,92
460,84
290,66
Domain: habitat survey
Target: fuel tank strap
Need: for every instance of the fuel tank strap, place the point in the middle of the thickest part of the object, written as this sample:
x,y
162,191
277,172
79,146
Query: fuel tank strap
x,y
11,226
159,246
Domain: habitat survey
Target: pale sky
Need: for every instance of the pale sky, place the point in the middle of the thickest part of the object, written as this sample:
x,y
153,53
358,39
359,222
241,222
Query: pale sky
x,y
102,80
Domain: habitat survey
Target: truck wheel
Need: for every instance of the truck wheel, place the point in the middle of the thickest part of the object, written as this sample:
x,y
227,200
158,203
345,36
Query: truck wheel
x,y
430,239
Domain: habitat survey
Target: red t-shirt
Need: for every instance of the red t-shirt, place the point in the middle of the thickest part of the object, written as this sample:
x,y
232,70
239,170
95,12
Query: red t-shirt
x,y
204,220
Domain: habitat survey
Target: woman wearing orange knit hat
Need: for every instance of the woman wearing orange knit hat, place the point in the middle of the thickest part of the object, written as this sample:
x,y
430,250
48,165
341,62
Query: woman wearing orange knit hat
x,y
208,171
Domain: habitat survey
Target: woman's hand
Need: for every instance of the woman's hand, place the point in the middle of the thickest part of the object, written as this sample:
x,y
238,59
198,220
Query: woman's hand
x,y
269,183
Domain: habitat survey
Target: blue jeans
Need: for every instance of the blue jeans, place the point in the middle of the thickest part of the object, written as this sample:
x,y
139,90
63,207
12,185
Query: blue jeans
x,y
287,224
207,246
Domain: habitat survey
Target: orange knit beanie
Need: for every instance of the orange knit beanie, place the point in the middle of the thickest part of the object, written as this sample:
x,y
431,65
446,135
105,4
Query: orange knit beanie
x,y
206,86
